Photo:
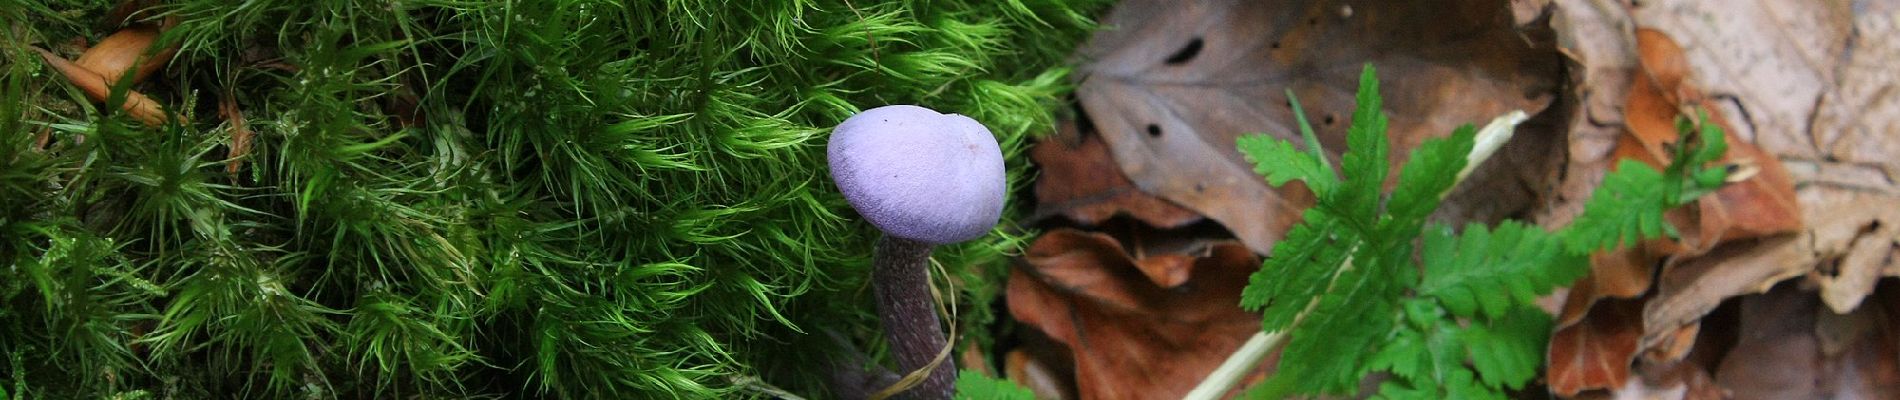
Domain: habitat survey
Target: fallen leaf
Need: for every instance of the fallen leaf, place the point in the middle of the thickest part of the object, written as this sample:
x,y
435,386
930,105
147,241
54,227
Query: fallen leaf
x,y
1812,86
1130,336
1080,181
98,89
1733,241
241,133
1173,84
126,51
1761,205
1596,351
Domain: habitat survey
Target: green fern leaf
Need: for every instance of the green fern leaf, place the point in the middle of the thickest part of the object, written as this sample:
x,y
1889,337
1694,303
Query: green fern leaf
x,y
1627,208
1326,354
1424,180
1506,351
1280,162
1311,252
974,386
1488,270
1365,163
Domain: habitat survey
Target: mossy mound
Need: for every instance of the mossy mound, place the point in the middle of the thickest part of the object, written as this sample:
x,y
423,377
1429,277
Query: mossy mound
x,y
478,199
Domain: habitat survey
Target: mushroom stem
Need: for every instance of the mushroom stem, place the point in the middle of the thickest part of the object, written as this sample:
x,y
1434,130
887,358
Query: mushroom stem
x,y
902,285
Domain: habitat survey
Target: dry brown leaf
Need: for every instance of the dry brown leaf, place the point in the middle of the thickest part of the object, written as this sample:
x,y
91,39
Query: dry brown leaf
x,y
126,51
1080,181
241,133
1813,85
1698,275
1130,337
1761,205
98,89
1173,84
1595,352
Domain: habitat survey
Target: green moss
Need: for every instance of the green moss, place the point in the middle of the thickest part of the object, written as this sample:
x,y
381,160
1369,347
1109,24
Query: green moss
x,y
453,199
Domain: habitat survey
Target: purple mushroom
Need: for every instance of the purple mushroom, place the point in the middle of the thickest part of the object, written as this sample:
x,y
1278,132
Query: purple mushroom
x,y
924,178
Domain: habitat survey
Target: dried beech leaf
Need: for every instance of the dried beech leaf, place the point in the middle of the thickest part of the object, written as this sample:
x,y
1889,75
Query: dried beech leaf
x,y
1761,205
1080,180
240,132
98,89
1596,351
1173,84
1812,91
125,52
1130,337
1623,274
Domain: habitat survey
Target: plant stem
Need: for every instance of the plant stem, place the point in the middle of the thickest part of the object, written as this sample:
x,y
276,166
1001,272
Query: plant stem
x,y
901,280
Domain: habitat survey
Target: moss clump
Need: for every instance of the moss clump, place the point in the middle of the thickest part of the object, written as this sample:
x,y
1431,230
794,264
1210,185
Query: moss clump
x,y
460,199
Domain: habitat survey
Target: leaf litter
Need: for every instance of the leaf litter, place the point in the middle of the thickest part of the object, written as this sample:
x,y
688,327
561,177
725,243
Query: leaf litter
x,y
1803,91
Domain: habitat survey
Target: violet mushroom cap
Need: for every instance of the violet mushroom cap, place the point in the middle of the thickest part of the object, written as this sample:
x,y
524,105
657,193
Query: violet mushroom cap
x,y
919,174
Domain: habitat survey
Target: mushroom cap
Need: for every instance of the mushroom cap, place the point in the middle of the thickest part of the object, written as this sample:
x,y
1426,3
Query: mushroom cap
x,y
919,174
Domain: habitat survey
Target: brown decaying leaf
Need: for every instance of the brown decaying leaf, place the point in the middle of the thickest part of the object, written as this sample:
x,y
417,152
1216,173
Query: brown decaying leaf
x,y
125,52
1596,351
1132,335
1813,85
1176,82
98,89
1697,274
240,132
1080,181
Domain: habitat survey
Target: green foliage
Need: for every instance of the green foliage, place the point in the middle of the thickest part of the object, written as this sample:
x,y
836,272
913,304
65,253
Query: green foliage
x,y
569,198
1459,322
1636,195
972,385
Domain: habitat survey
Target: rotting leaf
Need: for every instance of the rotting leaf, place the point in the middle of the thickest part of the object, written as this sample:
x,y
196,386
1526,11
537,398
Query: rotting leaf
x,y
240,132
98,89
1695,280
1080,181
1131,336
126,51
1173,85
1596,351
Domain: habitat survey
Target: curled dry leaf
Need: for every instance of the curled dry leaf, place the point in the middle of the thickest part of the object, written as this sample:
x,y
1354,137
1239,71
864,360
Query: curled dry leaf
x,y
1596,350
240,132
1134,333
1794,83
127,51
1813,87
1174,83
1080,181
98,89
127,56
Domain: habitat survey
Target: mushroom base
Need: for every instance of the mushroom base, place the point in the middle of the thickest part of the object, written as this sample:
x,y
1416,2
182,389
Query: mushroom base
x,y
909,313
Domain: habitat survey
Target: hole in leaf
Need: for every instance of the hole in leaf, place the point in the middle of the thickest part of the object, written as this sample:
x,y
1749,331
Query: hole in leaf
x,y
1186,53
